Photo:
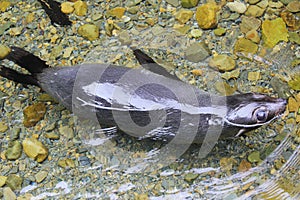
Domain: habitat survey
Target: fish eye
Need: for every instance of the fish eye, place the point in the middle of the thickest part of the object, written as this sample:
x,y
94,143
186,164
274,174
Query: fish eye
x,y
261,114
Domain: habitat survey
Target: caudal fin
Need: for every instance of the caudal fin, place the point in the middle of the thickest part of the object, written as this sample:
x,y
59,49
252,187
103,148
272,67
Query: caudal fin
x,y
26,60
18,77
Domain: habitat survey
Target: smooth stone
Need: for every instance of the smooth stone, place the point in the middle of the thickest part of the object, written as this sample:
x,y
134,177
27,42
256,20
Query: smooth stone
x,y
232,74
190,177
254,157
196,33
274,31
80,8
189,3
14,151
294,37
245,46
33,114
249,23
206,15
197,52
35,149
222,62
4,51
174,3
89,31
184,15
237,6
220,31
14,181
67,7
8,194
52,136
294,6
254,11
40,176
253,36
254,76
116,12
2,180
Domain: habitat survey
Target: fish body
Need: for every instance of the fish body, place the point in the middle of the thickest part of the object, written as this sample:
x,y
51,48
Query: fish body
x,y
149,105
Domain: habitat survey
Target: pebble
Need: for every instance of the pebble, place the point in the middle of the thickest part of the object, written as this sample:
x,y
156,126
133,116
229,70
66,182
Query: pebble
x,y
14,181
274,31
3,127
220,31
226,164
125,38
254,157
237,6
4,51
254,76
294,6
2,180
189,3
245,46
14,151
52,135
254,11
291,20
206,15
294,37
4,5
196,33
67,7
231,74
174,3
33,114
224,88
190,177
8,194
293,105
184,15
116,12
67,162
89,31
15,31
249,23
197,52
253,36
66,131
40,176
81,8
222,62
35,149
244,166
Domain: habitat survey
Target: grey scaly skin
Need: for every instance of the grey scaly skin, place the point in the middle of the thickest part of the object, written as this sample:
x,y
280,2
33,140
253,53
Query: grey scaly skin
x,y
146,104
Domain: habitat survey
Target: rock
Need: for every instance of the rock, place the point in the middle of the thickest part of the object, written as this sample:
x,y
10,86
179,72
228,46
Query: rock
x,y
8,194
174,3
67,7
14,181
116,12
46,98
274,31
4,51
294,37
197,52
237,6
189,3
227,163
254,76
125,38
4,5
249,23
254,11
190,177
66,163
183,15
15,31
222,62
294,6
294,82
14,151
3,127
224,88
141,196
254,157
66,131
293,105
80,8
2,180
232,74
35,149
89,31
40,176
196,33
197,72
206,15
52,135
33,114
253,1
291,20
253,36
245,46
263,4
220,31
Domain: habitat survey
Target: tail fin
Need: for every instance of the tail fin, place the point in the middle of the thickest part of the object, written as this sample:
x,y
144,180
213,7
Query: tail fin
x,y
27,60
13,75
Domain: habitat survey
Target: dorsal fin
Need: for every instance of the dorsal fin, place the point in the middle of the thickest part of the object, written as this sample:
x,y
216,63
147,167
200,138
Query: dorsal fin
x,y
149,64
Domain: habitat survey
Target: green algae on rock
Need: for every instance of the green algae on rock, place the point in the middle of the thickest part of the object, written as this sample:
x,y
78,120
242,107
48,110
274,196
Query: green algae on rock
x,y
294,83
189,3
274,31
14,151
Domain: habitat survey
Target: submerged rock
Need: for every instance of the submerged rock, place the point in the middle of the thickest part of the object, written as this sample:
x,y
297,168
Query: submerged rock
x,y
197,52
189,3
14,151
33,114
243,45
274,31
35,149
206,15
222,62
89,31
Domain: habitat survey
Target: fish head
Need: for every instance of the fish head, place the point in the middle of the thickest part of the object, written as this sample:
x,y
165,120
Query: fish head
x,y
252,110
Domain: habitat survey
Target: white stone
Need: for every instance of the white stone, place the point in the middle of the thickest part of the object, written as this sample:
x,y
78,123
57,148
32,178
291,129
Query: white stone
x,y
237,6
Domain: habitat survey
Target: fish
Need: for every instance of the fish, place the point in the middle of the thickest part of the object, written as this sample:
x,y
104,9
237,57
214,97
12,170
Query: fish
x,y
145,102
